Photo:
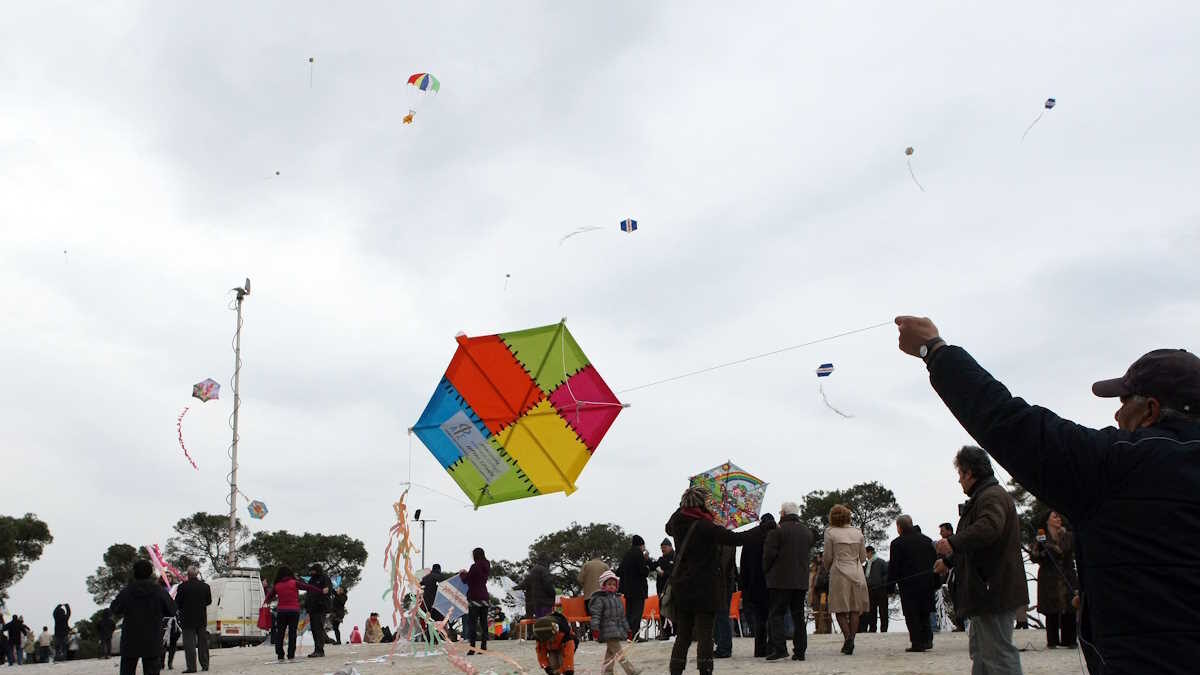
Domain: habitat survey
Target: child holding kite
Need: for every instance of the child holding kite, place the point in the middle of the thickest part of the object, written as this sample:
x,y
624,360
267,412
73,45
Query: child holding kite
x,y
556,644
609,624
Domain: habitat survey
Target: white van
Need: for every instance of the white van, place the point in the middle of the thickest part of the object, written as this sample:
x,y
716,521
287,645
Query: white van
x,y
233,616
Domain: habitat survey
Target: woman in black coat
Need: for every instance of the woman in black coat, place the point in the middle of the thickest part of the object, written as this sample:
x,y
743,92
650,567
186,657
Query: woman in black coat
x,y
754,583
696,585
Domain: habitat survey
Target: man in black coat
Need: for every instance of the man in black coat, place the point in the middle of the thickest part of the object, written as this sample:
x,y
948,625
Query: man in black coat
x,y
193,598
634,569
1133,491
539,589
62,629
338,614
318,605
143,604
105,628
876,572
785,562
910,565
755,598
662,574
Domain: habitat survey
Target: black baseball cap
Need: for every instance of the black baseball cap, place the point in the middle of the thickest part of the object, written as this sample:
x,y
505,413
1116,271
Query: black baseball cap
x,y
1170,375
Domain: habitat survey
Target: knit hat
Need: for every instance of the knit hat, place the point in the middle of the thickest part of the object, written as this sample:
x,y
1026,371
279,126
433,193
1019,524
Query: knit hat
x,y
666,542
609,574
638,541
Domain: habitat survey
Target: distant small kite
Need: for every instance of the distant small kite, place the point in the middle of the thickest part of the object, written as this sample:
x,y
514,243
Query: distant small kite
x,y
1049,105
207,390
629,225
257,509
825,370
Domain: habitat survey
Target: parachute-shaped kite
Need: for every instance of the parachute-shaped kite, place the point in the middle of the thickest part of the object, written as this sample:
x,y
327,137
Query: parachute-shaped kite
x,y
425,84
1049,105
908,152
207,390
825,370
517,414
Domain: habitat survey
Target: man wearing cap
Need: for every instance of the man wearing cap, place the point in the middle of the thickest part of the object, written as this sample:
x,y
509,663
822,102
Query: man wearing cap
x,y
1132,491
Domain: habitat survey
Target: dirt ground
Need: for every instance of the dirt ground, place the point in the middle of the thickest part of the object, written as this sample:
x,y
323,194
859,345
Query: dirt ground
x,y
874,654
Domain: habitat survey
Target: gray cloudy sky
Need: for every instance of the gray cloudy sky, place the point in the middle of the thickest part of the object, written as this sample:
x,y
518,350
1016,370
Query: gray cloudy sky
x,y
760,148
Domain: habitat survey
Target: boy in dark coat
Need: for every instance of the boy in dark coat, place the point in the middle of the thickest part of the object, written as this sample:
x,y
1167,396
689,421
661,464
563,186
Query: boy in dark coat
x,y
144,603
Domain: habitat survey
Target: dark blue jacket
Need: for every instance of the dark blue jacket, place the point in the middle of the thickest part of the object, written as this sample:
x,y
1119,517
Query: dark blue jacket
x,y
1134,498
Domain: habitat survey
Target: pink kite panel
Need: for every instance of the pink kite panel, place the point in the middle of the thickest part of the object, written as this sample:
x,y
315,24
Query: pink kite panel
x,y
587,404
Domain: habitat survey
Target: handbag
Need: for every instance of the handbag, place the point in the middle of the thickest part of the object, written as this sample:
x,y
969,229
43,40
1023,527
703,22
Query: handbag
x,y
666,604
264,617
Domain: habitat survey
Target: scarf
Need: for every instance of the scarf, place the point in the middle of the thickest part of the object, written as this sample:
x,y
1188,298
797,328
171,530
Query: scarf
x,y
697,514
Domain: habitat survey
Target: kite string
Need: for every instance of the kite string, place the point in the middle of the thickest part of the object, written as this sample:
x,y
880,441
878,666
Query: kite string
x,y
1031,124
756,357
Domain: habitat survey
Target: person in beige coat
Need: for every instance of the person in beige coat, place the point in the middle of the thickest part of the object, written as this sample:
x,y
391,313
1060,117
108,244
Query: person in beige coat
x,y
589,576
843,557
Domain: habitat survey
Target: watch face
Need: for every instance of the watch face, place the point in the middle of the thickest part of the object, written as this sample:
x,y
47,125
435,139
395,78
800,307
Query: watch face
x,y
924,351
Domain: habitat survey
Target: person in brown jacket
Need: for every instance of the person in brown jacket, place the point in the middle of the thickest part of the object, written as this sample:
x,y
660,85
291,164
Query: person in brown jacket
x,y
589,576
986,555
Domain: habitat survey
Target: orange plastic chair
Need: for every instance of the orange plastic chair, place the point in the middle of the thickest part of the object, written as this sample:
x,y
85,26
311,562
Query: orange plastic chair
x,y
650,614
575,609
735,610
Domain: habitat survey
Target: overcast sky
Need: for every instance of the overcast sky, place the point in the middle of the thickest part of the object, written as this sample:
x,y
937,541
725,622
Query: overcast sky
x,y
761,150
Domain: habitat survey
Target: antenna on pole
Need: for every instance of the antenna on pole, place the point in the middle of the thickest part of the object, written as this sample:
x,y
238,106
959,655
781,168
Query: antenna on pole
x,y
242,292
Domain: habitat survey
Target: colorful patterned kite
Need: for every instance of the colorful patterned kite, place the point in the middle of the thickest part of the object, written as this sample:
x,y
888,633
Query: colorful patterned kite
x,y
1049,105
825,370
629,225
207,390
736,495
257,509
517,414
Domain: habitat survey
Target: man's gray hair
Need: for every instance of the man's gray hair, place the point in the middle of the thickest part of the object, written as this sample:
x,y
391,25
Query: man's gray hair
x,y
790,509
193,572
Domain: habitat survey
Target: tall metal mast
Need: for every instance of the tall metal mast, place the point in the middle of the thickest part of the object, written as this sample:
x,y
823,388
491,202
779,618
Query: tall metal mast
x,y
233,447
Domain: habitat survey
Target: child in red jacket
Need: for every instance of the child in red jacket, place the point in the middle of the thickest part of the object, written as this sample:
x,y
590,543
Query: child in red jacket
x,y
556,644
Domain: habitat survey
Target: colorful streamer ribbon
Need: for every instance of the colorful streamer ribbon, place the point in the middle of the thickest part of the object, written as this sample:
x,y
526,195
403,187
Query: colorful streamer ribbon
x,y
179,428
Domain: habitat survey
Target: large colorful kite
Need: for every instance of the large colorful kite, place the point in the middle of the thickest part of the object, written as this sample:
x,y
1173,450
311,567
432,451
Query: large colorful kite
x,y
517,414
736,496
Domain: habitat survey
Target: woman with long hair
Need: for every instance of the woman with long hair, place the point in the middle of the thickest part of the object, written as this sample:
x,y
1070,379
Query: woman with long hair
x,y
1054,552
477,597
844,556
287,613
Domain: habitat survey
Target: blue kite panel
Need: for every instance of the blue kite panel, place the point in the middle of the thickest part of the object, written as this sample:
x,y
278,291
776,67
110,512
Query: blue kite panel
x,y
446,403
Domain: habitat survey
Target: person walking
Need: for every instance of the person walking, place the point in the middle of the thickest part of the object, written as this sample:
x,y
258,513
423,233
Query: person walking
x,y
723,623
785,551
985,553
911,562
589,576
143,604
662,573
843,556
287,612
1132,487
337,613
876,572
694,586
756,601
539,589
318,603
1054,553
62,630
193,598
477,598
610,624
633,570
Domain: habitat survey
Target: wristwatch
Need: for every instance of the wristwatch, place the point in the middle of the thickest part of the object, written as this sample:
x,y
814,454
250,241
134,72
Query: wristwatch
x,y
928,347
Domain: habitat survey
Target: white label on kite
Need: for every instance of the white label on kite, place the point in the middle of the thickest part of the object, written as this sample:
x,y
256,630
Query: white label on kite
x,y
475,447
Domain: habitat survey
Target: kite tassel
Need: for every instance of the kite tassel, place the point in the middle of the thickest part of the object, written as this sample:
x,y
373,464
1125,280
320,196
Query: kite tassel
x,y
1031,125
914,176
824,399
